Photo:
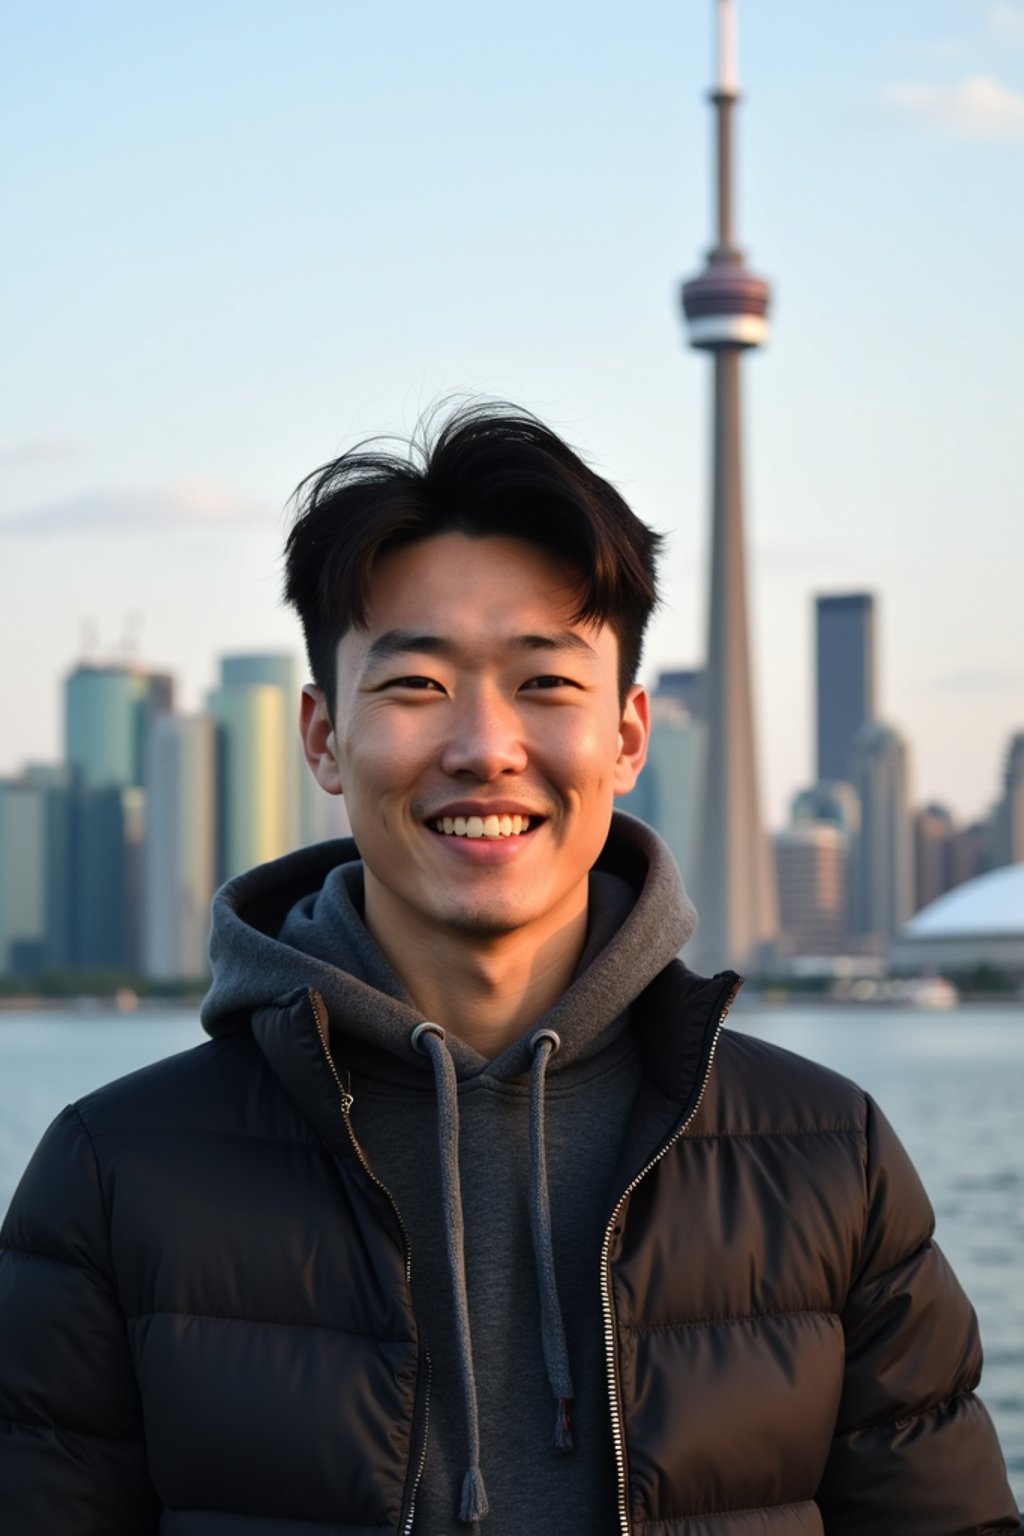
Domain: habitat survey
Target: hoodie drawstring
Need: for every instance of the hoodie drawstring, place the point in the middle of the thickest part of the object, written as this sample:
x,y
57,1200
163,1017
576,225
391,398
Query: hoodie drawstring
x,y
544,1044
429,1038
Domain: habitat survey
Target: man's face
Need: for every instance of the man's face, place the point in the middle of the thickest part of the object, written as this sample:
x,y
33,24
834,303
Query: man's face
x,y
478,739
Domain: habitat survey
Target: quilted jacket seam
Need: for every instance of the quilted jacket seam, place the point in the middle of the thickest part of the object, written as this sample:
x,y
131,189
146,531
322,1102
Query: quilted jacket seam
x,y
45,1258
123,1133
733,1317
967,1395
34,1425
907,1258
716,1514
259,1322
212,1509
862,1276
821,1130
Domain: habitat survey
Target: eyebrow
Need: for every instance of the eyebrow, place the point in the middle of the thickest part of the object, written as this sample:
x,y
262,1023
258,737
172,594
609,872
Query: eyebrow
x,y
403,642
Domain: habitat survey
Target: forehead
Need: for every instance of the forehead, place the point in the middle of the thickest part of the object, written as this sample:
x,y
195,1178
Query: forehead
x,y
456,581
474,597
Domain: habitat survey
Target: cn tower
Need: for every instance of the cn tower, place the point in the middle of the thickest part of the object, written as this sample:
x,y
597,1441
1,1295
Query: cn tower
x,y
726,310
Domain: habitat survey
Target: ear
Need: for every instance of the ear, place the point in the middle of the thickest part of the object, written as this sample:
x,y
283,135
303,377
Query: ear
x,y
634,734
319,742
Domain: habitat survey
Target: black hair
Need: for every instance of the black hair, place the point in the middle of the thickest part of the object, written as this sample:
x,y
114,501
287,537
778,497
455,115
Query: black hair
x,y
484,470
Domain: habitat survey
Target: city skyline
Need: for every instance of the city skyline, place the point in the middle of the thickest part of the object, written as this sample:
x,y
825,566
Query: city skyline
x,y
670,691
226,268
110,858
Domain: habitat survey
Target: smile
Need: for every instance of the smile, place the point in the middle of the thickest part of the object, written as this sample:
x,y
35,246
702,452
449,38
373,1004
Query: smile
x,y
482,826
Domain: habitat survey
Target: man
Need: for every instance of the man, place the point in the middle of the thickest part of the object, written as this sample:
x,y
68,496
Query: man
x,y
471,1209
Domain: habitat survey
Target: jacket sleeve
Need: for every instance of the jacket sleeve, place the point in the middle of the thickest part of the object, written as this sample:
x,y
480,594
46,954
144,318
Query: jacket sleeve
x,y
72,1459
915,1450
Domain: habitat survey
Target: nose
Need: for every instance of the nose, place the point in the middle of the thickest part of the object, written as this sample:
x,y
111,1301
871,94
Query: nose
x,y
485,737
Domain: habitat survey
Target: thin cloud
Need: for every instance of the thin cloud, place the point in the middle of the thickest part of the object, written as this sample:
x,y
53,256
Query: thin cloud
x,y
979,108
800,556
189,503
979,680
941,48
1007,21
38,450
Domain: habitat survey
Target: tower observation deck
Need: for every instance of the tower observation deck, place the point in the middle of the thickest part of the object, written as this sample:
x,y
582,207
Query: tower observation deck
x,y
726,310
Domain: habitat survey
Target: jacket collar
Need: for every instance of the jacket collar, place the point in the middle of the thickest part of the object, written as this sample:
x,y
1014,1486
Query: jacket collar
x,y
677,1021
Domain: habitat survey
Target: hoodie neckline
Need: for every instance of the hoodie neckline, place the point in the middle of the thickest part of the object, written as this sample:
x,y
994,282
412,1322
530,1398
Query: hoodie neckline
x,y
296,924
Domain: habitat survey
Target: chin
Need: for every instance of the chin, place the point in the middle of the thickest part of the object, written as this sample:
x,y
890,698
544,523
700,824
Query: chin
x,y
486,922
483,925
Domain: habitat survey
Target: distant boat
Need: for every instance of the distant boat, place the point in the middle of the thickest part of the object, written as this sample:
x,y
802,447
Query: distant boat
x,y
930,992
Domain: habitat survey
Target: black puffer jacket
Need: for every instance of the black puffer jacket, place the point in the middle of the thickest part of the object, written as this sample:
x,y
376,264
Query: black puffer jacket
x,y
206,1327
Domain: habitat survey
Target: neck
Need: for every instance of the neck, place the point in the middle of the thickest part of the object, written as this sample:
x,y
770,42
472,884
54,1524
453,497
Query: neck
x,y
486,990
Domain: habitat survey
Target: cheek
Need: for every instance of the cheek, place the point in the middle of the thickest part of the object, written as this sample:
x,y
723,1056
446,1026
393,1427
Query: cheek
x,y
379,760
591,754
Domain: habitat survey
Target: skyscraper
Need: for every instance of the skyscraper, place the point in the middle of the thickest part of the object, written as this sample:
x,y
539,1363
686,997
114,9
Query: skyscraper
x,y
274,669
107,711
179,860
726,310
667,793
256,769
23,885
685,684
845,650
106,878
36,913
811,861
53,782
934,832
1009,816
883,882
834,803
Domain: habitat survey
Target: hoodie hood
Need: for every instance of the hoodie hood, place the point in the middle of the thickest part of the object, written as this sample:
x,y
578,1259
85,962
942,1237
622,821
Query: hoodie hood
x,y
296,924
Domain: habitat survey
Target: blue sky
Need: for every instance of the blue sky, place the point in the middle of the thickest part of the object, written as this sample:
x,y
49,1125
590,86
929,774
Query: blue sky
x,y
243,236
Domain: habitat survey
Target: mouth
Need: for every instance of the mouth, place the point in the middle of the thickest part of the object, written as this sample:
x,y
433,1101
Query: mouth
x,y
489,827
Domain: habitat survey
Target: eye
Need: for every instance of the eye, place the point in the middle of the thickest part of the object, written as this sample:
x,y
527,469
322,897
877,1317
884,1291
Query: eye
x,y
550,680
414,683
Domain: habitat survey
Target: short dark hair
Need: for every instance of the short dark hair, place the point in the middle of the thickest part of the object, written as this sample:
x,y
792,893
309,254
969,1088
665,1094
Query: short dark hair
x,y
484,470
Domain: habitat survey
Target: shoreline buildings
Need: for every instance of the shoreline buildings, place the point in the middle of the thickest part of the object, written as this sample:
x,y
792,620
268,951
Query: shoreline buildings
x,y
109,861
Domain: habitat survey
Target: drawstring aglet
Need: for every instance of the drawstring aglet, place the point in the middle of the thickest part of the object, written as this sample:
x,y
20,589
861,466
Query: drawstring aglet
x,y
563,1426
474,1497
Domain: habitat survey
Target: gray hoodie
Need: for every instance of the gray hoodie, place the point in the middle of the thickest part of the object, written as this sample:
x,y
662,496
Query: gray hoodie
x,y
501,1178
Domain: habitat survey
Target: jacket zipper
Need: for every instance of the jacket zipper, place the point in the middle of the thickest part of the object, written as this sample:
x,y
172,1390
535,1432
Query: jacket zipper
x,y
607,1302
322,1021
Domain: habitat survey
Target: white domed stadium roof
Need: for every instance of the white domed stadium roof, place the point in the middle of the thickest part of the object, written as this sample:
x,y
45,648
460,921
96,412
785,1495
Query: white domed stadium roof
x,y
990,904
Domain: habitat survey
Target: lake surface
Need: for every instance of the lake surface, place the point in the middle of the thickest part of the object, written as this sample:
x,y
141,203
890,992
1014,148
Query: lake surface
x,y
951,1083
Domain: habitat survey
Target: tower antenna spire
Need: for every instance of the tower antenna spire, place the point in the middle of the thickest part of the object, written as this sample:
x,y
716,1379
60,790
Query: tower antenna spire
x,y
726,311
727,50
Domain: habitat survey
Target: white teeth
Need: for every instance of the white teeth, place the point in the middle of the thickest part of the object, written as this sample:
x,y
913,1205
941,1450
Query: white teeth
x,y
482,826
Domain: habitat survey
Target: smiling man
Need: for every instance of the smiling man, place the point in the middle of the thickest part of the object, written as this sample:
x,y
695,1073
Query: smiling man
x,y
472,1209
467,697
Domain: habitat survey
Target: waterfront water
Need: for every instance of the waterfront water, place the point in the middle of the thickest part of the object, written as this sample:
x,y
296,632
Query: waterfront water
x,y
952,1084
